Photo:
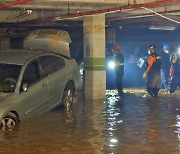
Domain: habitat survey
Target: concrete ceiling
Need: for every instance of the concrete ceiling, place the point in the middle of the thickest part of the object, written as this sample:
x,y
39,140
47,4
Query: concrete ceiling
x,y
121,13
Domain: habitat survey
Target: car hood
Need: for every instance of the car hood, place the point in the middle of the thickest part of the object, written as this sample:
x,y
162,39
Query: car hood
x,y
3,96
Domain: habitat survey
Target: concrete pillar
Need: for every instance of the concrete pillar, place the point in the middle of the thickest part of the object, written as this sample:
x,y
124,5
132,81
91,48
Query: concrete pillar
x,y
4,40
94,57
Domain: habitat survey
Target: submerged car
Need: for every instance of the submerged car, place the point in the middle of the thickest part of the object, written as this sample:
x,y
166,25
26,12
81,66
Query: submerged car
x,y
34,82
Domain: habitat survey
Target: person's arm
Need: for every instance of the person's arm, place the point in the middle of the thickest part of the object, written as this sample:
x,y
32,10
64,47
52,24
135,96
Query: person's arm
x,y
150,63
174,60
147,70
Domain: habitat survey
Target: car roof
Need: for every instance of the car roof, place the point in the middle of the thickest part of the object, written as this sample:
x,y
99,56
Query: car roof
x,y
17,56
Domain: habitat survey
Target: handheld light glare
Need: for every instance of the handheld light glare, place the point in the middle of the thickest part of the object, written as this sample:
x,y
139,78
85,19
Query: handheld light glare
x,y
111,64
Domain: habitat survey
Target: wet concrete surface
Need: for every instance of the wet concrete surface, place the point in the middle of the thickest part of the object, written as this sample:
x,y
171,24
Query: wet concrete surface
x,y
133,124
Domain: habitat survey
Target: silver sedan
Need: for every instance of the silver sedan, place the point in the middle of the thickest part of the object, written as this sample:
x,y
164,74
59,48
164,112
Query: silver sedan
x,y
34,82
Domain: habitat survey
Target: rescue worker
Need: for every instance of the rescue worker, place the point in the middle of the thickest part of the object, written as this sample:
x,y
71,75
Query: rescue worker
x,y
165,60
175,82
133,68
119,68
152,72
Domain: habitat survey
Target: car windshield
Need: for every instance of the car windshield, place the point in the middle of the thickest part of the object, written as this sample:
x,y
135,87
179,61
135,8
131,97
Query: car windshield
x,y
9,74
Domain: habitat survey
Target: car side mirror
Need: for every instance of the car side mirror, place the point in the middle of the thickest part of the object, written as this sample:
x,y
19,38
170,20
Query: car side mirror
x,y
25,87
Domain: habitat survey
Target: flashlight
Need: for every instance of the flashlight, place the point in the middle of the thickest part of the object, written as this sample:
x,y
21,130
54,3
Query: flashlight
x,y
111,64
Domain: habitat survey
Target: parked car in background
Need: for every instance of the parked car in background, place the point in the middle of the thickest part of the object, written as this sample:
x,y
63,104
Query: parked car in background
x,y
34,82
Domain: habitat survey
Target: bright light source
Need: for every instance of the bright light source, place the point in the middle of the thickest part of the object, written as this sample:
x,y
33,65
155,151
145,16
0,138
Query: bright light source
x,y
24,13
162,27
29,11
179,50
111,64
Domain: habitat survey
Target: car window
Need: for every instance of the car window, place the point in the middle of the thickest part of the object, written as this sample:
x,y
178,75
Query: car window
x,y
51,64
9,74
31,73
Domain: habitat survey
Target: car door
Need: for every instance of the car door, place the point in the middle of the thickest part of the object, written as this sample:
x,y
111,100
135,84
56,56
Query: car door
x,y
55,72
35,100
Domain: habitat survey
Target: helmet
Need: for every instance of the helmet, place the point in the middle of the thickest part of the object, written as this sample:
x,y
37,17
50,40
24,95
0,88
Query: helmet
x,y
166,46
152,46
116,47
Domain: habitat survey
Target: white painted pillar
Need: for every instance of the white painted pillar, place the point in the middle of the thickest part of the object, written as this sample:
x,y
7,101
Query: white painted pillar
x,y
94,57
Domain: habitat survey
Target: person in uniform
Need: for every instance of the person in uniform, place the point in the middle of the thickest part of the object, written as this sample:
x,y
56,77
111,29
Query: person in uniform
x,y
175,81
165,66
119,68
152,72
133,68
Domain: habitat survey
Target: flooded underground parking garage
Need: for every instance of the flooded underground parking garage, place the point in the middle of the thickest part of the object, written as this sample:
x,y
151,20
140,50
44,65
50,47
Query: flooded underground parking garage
x,y
135,123
132,124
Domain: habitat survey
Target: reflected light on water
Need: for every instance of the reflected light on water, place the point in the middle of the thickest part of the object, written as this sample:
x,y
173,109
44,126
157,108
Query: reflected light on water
x,y
111,145
113,140
131,125
113,114
111,128
112,123
112,118
178,127
110,134
120,121
112,100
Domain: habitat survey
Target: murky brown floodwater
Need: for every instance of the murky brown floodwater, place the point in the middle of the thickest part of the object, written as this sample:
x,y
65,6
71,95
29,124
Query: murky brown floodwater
x,y
136,124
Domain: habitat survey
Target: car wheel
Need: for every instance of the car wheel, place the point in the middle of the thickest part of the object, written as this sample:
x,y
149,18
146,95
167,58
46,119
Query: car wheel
x,y
68,95
9,121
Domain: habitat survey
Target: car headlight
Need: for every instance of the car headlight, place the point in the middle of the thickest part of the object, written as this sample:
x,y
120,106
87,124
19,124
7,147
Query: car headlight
x,y
111,64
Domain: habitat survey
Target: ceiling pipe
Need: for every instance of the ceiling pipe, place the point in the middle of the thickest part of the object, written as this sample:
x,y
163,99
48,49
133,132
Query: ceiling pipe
x,y
64,6
156,13
18,2
111,10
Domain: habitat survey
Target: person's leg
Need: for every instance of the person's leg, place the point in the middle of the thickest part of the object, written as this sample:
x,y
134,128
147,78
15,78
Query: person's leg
x,y
178,85
119,84
150,91
167,76
173,85
157,80
150,84
155,92
163,79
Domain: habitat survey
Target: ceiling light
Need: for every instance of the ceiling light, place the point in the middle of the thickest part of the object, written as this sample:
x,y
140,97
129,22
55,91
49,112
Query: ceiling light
x,y
24,13
162,27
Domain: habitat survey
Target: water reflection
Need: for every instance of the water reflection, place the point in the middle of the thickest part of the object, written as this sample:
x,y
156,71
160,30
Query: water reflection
x,y
135,123
141,124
